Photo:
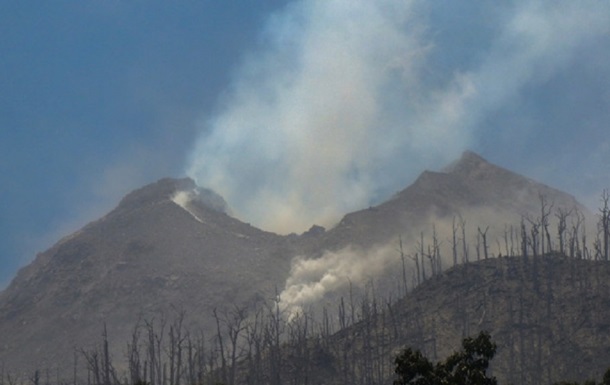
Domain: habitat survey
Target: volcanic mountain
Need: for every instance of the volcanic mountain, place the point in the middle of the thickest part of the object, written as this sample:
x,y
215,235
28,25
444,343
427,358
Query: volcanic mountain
x,y
172,246
470,189
155,253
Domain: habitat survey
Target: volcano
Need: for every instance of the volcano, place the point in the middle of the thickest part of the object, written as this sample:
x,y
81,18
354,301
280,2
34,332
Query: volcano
x,y
172,246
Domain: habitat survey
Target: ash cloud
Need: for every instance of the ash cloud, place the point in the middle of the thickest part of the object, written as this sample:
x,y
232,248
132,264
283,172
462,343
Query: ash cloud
x,y
345,101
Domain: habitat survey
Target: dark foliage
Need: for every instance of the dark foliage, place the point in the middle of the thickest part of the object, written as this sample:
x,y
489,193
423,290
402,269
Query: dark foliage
x,y
465,367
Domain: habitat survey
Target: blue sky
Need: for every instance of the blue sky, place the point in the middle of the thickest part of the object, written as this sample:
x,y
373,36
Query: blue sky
x,y
305,109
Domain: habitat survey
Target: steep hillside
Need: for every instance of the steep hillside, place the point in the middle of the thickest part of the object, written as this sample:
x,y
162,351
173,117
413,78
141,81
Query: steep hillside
x,y
549,316
147,257
471,188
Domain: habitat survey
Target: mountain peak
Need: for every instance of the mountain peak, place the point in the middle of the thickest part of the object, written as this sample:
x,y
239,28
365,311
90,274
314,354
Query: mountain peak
x,y
467,163
160,190
181,191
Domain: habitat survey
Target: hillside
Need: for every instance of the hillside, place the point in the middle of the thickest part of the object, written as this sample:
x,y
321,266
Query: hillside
x,y
147,257
470,188
549,316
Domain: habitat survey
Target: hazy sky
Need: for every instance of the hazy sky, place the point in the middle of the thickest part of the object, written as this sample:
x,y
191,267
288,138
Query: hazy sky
x,y
303,109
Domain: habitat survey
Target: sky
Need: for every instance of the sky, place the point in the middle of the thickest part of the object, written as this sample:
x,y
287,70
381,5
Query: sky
x,y
296,112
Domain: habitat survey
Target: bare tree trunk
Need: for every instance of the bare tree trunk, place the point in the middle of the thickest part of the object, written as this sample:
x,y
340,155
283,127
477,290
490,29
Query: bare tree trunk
x,y
106,357
176,339
562,216
221,347
422,253
464,242
605,221
417,278
524,239
152,356
133,356
484,237
545,212
506,249
454,241
436,251
235,326
404,268
478,244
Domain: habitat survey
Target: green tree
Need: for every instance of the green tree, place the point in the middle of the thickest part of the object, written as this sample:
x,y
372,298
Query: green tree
x,y
414,369
465,367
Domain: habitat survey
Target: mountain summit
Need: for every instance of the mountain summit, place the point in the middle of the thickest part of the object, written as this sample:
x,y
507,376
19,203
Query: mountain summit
x,y
468,163
470,189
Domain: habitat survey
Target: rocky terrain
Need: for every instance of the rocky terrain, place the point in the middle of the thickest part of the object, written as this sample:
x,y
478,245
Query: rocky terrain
x,y
147,257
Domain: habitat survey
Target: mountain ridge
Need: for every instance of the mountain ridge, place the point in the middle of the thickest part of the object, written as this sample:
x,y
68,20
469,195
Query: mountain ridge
x,y
461,190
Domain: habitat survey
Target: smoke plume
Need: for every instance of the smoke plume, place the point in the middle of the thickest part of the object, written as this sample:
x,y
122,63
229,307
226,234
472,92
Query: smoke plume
x,y
311,280
344,101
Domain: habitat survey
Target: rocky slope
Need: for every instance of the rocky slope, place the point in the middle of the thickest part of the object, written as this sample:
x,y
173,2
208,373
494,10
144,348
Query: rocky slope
x,y
471,188
147,257
549,316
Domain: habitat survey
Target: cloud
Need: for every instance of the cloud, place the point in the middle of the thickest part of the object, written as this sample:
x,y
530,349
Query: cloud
x,y
341,104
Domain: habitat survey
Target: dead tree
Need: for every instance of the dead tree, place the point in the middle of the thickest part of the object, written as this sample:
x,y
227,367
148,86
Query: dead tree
x,y
422,252
436,251
417,278
235,326
524,239
404,267
432,260
273,335
176,341
597,245
545,212
585,249
221,347
133,356
478,245
299,339
255,343
483,235
155,344
507,251
604,213
574,243
534,232
454,241
562,217
106,364
464,241
93,365
99,365
196,359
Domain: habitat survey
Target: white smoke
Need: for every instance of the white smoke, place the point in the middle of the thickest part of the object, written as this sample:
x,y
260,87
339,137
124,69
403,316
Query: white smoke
x,y
311,279
312,119
183,199
341,106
